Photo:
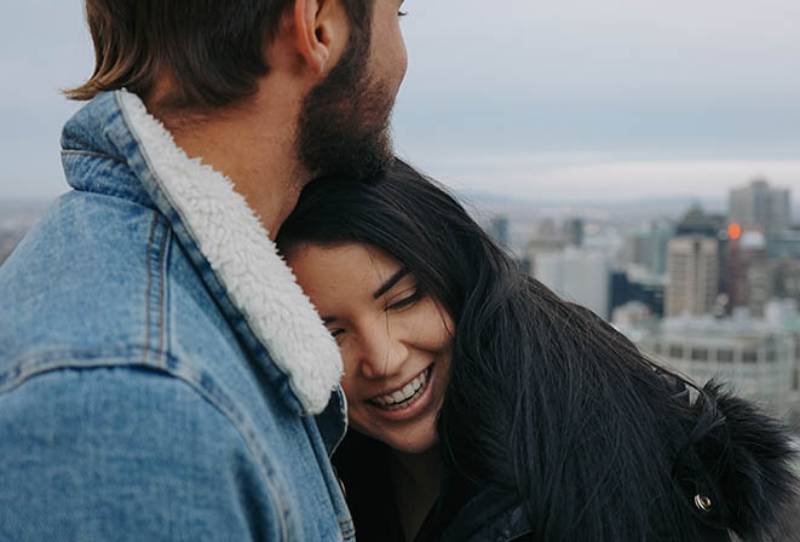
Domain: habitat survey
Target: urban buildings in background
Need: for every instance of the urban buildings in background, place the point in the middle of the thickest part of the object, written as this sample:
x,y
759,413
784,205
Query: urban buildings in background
x,y
693,275
708,294
761,207
758,356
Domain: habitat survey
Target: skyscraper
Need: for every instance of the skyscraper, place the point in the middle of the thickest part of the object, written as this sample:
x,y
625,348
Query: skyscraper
x,y
498,230
693,275
761,207
746,270
647,246
579,275
573,231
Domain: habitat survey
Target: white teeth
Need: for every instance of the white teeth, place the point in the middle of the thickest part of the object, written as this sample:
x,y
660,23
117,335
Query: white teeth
x,y
408,391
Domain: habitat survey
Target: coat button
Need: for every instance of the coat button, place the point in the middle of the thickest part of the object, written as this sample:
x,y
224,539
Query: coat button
x,y
702,503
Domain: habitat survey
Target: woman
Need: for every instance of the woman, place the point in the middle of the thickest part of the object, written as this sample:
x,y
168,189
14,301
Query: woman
x,y
483,407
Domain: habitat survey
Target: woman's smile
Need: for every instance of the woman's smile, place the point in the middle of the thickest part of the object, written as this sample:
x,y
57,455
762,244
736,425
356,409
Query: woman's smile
x,y
395,340
404,396
413,401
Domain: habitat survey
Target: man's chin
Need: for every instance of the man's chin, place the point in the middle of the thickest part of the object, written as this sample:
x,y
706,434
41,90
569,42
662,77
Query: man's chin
x,y
356,162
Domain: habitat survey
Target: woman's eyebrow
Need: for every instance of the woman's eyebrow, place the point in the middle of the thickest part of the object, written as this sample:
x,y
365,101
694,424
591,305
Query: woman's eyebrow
x,y
394,279
385,287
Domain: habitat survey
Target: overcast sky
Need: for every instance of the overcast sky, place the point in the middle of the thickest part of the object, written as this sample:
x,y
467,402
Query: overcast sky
x,y
591,99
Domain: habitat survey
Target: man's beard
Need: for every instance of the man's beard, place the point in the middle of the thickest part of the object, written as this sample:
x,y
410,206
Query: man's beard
x,y
344,124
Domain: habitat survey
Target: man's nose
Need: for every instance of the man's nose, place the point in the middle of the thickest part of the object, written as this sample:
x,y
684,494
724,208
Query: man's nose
x,y
383,351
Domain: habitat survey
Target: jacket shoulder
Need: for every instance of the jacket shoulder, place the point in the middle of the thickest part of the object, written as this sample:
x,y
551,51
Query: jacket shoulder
x,y
81,272
125,453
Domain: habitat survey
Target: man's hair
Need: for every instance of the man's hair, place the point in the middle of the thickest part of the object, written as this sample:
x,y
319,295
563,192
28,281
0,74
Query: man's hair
x,y
212,50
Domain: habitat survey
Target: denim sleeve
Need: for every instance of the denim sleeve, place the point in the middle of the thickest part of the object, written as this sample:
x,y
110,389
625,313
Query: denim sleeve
x,y
125,454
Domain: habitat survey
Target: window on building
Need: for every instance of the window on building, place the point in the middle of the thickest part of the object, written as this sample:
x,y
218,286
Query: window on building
x,y
725,355
699,354
772,355
676,351
750,356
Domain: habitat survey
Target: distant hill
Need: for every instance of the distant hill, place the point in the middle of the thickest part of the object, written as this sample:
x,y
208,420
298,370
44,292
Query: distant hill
x,y
21,212
633,210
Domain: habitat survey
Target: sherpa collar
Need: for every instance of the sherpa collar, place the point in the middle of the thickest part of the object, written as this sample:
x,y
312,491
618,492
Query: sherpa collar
x,y
243,258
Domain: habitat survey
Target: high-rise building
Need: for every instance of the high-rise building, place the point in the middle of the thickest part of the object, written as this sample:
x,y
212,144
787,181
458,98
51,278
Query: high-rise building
x,y
692,275
574,231
498,230
761,207
545,241
785,279
756,357
647,290
647,246
785,244
746,270
578,275
696,221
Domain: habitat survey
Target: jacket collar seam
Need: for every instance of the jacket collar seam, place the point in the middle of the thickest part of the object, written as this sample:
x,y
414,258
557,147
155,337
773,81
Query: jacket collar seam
x,y
229,236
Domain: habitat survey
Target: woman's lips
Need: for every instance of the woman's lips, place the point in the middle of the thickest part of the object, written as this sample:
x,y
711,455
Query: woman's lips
x,y
408,408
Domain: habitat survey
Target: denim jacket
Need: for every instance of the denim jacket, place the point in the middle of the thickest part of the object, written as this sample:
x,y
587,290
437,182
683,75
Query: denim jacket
x,y
162,375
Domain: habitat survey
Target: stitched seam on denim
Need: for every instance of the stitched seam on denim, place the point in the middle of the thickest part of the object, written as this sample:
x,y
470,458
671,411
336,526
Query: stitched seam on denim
x,y
164,253
148,286
73,152
141,160
329,475
130,196
226,407
239,321
50,360
185,374
157,272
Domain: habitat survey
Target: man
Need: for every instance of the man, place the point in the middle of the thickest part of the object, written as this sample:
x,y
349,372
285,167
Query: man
x,y
160,370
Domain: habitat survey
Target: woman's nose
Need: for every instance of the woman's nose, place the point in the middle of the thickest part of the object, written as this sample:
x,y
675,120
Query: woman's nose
x,y
383,352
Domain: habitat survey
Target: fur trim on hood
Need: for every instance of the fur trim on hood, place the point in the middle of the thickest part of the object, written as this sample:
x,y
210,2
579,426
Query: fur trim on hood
x,y
739,471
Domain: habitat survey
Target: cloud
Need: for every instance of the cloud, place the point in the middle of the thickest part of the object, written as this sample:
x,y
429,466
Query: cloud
x,y
604,177
640,93
598,51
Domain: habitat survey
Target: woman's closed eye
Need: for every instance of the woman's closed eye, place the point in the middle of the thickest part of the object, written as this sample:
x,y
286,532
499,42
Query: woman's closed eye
x,y
404,301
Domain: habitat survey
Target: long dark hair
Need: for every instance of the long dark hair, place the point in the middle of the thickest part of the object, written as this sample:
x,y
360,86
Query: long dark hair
x,y
547,401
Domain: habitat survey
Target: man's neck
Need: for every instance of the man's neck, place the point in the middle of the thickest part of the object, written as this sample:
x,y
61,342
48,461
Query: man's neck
x,y
254,146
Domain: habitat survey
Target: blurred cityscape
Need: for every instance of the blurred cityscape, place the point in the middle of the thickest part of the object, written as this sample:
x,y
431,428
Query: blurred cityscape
x,y
709,293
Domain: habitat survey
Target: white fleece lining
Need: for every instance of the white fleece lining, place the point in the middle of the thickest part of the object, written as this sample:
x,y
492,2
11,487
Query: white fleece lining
x,y
245,260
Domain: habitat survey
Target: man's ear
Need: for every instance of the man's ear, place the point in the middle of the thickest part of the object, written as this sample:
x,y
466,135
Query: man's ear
x,y
321,32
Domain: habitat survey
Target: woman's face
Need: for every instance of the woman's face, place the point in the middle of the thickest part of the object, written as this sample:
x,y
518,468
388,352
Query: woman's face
x,y
395,341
